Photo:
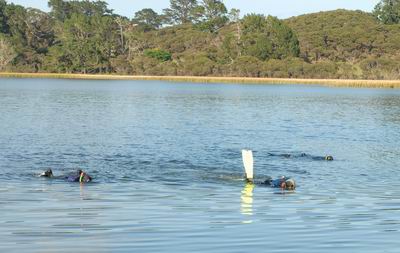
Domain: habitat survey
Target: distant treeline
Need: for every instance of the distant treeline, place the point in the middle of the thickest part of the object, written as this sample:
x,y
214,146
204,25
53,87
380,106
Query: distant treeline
x,y
200,38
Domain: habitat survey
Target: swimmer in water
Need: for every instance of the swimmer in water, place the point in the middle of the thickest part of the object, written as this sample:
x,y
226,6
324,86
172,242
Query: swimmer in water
x,y
304,155
48,173
283,182
78,176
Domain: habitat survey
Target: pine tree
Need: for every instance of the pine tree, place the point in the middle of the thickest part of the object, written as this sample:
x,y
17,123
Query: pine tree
x,y
182,11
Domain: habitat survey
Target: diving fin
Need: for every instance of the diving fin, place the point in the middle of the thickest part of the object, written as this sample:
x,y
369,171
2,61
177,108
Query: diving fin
x,y
248,163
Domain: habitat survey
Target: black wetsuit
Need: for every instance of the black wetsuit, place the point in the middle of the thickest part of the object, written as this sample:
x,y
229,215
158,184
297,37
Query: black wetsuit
x,y
303,155
274,183
74,177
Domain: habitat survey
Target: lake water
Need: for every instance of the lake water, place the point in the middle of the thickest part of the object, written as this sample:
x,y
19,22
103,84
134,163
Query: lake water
x,y
166,162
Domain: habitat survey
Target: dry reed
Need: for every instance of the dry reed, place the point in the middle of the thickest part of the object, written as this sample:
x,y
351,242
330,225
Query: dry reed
x,y
198,79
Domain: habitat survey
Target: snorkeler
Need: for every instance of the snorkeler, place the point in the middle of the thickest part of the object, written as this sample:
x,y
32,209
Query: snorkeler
x,y
283,182
48,173
304,155
328,158
78,176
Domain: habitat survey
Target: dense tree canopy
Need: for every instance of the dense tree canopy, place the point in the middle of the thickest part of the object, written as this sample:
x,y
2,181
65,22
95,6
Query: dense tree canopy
x,y
182,11
85,42
62,9
268,37
148,18
199,38
3,21
213,15
388,11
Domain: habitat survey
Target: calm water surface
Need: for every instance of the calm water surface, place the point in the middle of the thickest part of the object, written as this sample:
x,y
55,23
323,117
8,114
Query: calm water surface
x,y
168,174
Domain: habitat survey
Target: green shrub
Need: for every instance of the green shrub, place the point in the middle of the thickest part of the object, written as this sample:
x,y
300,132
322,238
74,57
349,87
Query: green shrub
x,y
158,54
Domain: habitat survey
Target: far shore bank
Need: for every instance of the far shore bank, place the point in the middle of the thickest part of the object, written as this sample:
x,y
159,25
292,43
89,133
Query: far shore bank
x,y
391,84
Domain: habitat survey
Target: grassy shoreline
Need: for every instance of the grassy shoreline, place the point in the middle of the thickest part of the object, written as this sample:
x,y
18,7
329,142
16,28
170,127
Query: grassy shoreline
x,y
197,79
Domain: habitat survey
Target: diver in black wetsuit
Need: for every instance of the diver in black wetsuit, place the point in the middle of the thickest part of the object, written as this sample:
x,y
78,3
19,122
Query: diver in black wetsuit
x,y
48,173
304,155
248,162
284,183
78,176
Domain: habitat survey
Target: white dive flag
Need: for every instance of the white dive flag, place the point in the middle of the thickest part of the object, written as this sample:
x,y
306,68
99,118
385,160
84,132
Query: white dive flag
x,y
248,163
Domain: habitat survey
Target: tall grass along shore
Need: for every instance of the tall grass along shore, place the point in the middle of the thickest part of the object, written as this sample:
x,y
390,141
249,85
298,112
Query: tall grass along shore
x,y
206,79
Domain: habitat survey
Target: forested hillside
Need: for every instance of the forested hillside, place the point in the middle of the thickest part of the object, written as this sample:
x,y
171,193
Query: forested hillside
x,y
201,39
354,41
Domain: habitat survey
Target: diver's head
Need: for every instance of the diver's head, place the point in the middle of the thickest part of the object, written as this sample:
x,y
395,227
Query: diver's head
x,y
290,184
329,158
84,178
47,173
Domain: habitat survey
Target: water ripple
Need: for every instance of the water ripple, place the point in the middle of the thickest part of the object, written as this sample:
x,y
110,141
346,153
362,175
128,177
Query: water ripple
x,y
168,174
